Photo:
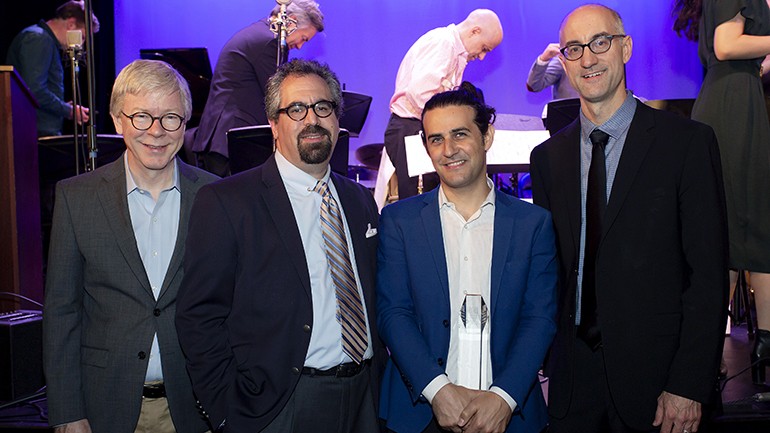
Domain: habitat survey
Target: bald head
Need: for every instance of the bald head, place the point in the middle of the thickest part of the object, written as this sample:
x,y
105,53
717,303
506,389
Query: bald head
x,y
592,10
480,33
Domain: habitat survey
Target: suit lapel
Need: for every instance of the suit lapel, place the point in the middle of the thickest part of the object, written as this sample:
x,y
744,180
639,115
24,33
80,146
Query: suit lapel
x,y
114,201
570,167
431,222
187,180
638,141
278,205
505,223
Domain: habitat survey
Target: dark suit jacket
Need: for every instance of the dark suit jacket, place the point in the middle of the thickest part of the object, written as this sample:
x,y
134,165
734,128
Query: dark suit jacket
x,y
100,314
414,311
245,309
661,267
237,94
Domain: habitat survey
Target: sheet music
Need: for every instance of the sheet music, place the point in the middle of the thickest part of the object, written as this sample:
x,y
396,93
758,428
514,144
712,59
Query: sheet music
x,y
508,147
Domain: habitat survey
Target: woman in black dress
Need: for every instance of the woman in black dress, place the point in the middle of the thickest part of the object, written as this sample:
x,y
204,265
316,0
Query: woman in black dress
x,y
733,38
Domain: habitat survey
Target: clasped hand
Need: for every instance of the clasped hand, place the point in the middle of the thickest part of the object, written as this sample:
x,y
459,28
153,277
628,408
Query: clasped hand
x,y
461,409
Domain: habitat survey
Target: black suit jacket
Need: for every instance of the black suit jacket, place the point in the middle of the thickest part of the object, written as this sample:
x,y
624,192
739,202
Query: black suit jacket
x,y
245,308
661,267
237,94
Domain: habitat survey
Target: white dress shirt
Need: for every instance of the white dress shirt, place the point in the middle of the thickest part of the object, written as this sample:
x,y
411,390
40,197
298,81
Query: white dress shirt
x,y
468,250
325,350
155,225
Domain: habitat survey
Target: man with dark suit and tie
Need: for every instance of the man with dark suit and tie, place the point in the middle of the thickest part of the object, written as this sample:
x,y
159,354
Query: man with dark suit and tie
x,y
244,65
639,211
277,308
112,360
466,287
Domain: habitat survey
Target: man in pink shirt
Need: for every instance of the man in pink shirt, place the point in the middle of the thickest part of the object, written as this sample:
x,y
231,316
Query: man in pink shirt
x,y
434,64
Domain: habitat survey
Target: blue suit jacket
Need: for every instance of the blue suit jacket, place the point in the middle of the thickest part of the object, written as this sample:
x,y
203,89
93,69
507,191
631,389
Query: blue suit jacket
x,y
414,314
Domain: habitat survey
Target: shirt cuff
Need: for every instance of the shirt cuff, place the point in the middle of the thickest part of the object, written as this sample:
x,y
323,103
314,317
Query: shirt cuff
x,y
434,387
542,63
499,391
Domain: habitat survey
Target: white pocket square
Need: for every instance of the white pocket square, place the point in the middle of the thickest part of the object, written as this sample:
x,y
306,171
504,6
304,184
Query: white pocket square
x,y
370,231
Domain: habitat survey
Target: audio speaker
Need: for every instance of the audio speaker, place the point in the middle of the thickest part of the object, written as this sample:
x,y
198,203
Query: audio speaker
x,y
21,354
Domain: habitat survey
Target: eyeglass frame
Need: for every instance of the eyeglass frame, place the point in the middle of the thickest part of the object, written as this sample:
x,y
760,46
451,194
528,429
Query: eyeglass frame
x,y
154,118
583,46
307,107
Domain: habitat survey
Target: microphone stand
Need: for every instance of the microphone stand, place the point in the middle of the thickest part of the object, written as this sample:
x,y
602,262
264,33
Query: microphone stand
x,y
283,20
90,76
72,53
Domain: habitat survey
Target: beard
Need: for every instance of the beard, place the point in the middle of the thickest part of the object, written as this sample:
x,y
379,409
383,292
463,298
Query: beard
x,y
317,152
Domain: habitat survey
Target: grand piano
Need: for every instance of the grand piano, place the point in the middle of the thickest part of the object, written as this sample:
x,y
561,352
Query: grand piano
x,y
195,67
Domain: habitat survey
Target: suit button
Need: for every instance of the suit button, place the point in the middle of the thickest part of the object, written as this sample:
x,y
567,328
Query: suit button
x,y
306,328
295,370
141,355
440,362
445,323
156,312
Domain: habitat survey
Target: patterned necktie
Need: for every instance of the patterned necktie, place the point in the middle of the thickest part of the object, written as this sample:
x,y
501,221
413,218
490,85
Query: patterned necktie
x,y
350,311
596,202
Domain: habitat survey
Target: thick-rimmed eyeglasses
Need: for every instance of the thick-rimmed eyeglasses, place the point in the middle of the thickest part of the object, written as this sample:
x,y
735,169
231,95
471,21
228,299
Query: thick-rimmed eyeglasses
x,y
143,121
298,111
598,45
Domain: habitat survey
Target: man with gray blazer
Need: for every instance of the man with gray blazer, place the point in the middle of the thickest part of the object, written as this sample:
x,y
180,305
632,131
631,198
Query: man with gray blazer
x,y
112,359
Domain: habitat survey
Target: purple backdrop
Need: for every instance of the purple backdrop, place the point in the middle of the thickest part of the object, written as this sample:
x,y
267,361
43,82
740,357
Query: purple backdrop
x,y
364,42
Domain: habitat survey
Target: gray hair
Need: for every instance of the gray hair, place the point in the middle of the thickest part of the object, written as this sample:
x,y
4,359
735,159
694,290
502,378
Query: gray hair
x,y
300,68
306,12
149,77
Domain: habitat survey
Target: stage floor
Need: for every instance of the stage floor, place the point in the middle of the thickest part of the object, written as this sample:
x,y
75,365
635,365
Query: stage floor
x,y
739,412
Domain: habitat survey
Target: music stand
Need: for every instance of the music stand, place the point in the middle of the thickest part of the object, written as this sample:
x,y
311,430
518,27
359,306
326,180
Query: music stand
x,y
250,146
355,110
560,113
56,154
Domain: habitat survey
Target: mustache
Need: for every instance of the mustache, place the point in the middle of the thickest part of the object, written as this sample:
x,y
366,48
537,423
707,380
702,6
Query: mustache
x,y
314,130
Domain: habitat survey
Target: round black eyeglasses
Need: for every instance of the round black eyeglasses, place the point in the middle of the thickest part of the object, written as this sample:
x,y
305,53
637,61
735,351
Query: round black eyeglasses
x,y
143,121
598,45
298,111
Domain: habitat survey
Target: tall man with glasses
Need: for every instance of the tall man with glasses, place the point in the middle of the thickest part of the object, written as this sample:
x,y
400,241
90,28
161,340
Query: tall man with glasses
x,y
111,355
276,311
638,207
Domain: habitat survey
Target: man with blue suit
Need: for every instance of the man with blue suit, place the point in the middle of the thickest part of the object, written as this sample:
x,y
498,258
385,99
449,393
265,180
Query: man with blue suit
x,y
465,288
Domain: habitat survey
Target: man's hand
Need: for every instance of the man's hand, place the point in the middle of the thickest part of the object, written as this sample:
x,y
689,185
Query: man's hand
x,y
551,51
80,426
487,413
677,414
80,113
449,402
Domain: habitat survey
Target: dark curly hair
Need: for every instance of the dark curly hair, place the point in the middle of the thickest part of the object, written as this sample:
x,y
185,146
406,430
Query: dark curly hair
x,y
687,13
466,94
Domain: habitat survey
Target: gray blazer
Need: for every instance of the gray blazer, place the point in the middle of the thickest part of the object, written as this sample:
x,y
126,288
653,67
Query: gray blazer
x,y
100,314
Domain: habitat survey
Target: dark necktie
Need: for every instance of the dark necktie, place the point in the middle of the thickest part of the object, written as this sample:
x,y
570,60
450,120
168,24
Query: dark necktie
x,y
596,202
350,310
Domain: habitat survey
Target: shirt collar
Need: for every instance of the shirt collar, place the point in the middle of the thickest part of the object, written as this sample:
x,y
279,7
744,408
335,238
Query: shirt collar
x,y
295,178
616,124
44,25
457,42
131,184
488,201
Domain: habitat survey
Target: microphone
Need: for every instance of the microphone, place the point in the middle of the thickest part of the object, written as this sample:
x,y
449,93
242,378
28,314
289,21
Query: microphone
x,y
75,39
279,27
74,44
